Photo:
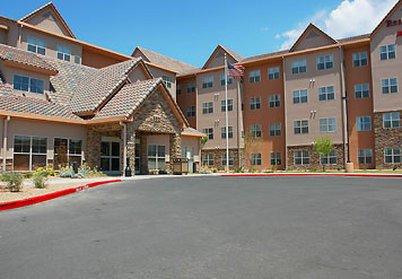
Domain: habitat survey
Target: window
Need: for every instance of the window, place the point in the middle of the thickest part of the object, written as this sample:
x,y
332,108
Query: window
x,y
274,101
325,62
67,151
230,132
230,80
207,108
230,105
190,111
77,59
35,85
156,157
365,156
360,59
300,96
301,127
190,87
29,153
363,123
387,52
168,81
208,82
299,67
391,120
37,46
389,85
273,73
276,158
231,160
326,93
208,159
327,125
63,53
392,155
330,159
302,157
209,132
21,83
275,129
256,131
178,89
255,103
362,90
256,159
254,76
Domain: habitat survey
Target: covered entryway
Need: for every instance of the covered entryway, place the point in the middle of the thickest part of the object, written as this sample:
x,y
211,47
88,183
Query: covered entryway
x,y
110,153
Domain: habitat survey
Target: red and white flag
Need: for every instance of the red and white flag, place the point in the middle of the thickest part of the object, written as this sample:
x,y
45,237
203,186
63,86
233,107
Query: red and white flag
x,y
235,71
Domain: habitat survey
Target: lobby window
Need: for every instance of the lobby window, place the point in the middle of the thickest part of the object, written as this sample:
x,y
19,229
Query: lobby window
x,y
67,151
191,87
273,73
326,93
363,123
156,157
255,103
389,85
392,155
300,96
302,157
387,52
63,53
327,125
360,59
256,131
207,108
230,132
254,76
190,111
391,120
325,62
275,129
231,160
29,153
301,127
362,90
274,100
330,159
208,82
230,80
36,45
209,132
256,159
230,105
365,156
24,83
208,160
276,158
299,67
168,81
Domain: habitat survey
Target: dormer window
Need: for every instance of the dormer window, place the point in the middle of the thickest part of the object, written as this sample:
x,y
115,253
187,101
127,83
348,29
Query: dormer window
x,y
23,83
36,45
63,53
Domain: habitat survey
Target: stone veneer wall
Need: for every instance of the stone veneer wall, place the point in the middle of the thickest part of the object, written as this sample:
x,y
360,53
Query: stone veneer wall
x,y
385,138
315,161
217,153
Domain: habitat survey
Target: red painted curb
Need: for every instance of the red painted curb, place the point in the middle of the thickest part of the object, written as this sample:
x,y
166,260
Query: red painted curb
x,y
312,174
50,196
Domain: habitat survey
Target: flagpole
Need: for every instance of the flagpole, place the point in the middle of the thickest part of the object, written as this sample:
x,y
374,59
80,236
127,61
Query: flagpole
x,y
226,115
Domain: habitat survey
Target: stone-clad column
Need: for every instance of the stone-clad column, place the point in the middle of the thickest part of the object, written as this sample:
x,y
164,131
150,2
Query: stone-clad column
x,y
175,149
131,148
93,148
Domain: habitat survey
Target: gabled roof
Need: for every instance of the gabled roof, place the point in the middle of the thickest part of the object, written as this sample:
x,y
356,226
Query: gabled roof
x,y
51,6
309,28
163,60
389,14
237,57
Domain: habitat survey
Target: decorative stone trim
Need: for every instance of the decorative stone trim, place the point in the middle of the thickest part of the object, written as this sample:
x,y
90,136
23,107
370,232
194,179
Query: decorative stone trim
x,y
218,153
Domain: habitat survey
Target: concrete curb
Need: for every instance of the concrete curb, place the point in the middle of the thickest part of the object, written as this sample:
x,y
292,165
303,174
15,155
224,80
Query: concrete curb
x,y
50,196
314,174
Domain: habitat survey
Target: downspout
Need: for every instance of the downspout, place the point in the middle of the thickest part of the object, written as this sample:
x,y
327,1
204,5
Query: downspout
x,y
5,136
345,124
124,125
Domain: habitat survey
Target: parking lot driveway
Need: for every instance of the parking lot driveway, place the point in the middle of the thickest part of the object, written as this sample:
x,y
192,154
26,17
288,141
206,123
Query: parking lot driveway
x,y
211,227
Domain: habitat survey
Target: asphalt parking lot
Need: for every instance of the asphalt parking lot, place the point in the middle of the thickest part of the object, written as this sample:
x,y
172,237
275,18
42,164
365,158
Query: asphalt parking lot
x,y
211,227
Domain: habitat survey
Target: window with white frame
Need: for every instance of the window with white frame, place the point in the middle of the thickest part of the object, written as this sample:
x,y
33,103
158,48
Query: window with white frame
x,y
300,96
363,123
168,81
299,67
156,157
301,127
387,52
66,151
330,159
209,132
391,120
231,160
327,125
208,82
275,129
254,76
207,108
274,100
230,132
276,158
207,159
190,111
255,103
30,153
190,87
392,155
389,85
360,59
365,156
302,157
63,53
325,62
326,93
256,159
36,45
230,105
273,73
362,90
256,131
23,83
230,80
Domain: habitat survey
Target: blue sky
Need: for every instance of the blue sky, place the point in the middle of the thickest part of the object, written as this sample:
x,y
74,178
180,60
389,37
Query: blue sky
x,y
190,30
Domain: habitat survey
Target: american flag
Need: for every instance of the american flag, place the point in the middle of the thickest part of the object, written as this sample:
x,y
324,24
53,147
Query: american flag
x,y
235,71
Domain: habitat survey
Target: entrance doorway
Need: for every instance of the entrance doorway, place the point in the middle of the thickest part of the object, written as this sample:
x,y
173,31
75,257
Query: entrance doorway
x,y
110,156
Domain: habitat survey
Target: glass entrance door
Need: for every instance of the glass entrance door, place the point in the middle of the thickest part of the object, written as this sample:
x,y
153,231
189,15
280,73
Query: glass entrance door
x,y
110,157
137,157
188,152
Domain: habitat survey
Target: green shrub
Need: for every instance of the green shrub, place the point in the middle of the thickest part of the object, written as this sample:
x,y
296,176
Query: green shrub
x,y
40,181
27,175
14,181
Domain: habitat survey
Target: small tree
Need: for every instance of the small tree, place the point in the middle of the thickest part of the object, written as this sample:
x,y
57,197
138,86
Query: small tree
x,y
323,147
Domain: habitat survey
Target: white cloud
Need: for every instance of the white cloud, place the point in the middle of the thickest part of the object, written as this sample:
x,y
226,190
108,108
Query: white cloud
x,y
351,17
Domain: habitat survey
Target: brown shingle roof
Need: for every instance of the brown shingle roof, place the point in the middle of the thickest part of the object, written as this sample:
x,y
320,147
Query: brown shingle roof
x,y
232,53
